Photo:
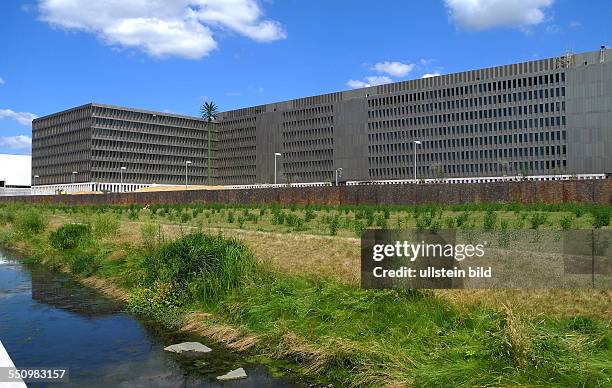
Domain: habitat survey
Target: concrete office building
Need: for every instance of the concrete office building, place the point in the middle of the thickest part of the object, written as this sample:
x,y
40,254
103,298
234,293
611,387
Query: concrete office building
x,y
541,117
85,148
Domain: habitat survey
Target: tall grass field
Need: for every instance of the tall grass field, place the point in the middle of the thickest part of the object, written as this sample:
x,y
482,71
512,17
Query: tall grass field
x,y
207,269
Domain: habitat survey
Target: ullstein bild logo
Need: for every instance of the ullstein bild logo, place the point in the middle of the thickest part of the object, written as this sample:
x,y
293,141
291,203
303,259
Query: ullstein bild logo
x,y
486,259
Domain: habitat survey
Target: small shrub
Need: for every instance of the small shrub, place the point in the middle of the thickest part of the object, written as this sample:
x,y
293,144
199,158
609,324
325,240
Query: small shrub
x,y
185,217
601,217
105,225
133,214
158,304
204,266
490,219
309,215
30,222
503,238
69,236
567,222
434,226
278,217
151,234
537,219
462,219
449,223
84,263
333,222
358,227
230,217
381,221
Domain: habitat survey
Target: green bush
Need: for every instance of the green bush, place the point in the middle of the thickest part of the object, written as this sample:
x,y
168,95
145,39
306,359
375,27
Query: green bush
x,y
381,221
537,219
105,225
7,215
601,217
84,263
309,215
185,217
358,227
159,304
30,222
567,222
462,219
151,234
490,219
69,236
205,266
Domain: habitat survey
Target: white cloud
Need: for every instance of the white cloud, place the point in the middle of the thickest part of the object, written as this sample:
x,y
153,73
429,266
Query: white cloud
x,y
395,69
378,80
356,84
23,118
2,81
429,75
484,14
368,81
16,142
181,28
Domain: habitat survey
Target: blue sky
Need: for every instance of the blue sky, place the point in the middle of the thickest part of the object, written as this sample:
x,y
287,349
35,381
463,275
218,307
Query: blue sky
x,y
56,54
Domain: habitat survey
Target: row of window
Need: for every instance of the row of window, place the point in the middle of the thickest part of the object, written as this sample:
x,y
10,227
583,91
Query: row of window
x,y
319,110
136,118
481,169
413,110
486,87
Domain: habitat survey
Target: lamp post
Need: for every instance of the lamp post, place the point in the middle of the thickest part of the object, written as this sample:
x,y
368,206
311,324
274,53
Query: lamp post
x,y
416,143
122,169
187,163
275,155
73,176
338,174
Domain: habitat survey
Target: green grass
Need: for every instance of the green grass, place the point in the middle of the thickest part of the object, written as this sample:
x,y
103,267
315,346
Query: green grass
x,y
343,221
317,325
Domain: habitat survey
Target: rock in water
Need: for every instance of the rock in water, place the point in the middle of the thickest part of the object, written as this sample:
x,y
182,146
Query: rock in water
x,y
188,348
233,375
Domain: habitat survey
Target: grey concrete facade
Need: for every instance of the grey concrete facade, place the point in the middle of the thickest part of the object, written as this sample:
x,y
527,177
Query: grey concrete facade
x,y
96,140
542,117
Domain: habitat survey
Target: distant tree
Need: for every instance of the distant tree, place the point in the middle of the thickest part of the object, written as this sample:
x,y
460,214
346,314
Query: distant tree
x,y
209,111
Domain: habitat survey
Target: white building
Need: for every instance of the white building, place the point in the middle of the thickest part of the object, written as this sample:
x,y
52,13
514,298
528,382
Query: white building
x,y
15,174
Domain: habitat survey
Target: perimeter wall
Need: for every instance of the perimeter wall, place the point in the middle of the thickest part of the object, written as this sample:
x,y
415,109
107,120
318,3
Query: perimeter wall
x,y
585,191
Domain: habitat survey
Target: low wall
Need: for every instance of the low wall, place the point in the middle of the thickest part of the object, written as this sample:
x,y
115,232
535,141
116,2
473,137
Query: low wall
x,y
585,191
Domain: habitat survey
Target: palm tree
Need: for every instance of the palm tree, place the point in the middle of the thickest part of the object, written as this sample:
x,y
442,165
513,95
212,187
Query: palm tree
x,y
209,111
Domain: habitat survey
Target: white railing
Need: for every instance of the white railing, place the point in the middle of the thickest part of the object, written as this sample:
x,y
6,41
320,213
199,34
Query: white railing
x,y
87,187
95,187
491,179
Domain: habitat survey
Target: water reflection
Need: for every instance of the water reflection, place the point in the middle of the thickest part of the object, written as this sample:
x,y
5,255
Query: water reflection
x,y
46,319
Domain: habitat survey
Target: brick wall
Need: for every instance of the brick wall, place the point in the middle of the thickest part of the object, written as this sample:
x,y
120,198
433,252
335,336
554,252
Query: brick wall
x,y
595,191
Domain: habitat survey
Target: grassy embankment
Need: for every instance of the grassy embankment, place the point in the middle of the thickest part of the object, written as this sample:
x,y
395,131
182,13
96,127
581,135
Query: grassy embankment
x,y
319,321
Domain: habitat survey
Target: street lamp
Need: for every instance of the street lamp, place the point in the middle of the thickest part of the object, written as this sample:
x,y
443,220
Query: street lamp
x,y
338,174
122,169
416,143
275,155
187,163
73,175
